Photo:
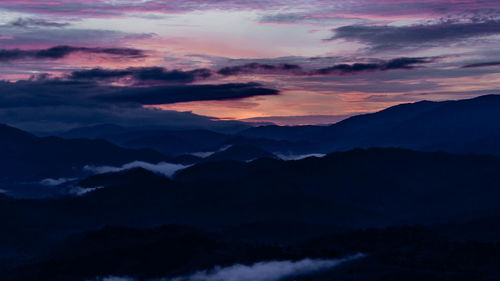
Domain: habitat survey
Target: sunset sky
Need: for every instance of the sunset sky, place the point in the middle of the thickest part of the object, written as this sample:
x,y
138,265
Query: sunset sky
x,y
72,63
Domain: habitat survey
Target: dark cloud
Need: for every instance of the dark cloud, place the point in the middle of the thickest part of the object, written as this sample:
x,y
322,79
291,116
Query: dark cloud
x,y
49,119
59,52
310,8
424,35
337,69
143,74
397,63
52,104
307,17
161,74
184,93
31,22
99,74
482,64
55,92
253,67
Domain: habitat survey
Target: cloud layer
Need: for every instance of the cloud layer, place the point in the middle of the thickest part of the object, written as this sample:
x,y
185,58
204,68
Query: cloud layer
x,y
65,103
262,271
387,37
59,52
34,22
142,74
163,168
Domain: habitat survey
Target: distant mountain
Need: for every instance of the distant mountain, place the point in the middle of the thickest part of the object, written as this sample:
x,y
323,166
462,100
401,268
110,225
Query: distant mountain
x,y
11,137
239,153
173,143
171,250
26,157
351,190
94,132
397,253
463,126
374,187
454,126
284,133
170,142
181,144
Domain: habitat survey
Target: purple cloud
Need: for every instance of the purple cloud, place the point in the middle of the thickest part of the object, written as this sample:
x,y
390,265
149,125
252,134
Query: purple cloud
x,y
59,52
384,37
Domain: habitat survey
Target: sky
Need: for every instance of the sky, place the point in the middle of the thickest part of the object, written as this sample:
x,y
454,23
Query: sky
x,y
209,63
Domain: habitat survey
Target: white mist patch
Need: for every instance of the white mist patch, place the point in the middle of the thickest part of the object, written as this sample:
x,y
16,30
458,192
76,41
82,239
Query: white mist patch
x,y
55,182
208,154
287,157
80,191
261,271
167,169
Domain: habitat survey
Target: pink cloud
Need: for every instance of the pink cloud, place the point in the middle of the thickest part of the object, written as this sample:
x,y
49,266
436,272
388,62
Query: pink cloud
x,y
97,8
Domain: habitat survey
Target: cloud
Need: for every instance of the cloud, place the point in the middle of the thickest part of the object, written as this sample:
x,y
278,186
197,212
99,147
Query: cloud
x,y
98,8
205,154
42,37
261,271
31,22
159,74
308,17
143,74
80,191
62,51
56,92
385,37
482,64
288,157
253,67
337,69
55,182
327,12
397,63
163,168
58,104
183,93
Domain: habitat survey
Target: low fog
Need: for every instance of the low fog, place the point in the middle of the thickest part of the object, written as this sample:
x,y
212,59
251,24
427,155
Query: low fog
x,y
56,182
210,153
166,169
287,157
261,271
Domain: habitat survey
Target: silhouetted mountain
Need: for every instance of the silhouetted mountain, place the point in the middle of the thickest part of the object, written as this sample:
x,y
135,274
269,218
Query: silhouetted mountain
x,y
454,126
186,159
166,251
26,157
272,145
239,153
11,136
132,176
282,133
169,142
175,143
375,187
407,253
94,132
403,253
355,189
